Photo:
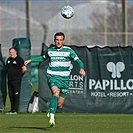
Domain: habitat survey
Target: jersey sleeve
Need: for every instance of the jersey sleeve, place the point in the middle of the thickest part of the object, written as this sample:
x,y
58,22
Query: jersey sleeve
x,y
39,58
74,56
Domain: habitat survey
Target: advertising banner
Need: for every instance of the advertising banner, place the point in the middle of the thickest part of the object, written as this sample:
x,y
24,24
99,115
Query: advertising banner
x,y
107,86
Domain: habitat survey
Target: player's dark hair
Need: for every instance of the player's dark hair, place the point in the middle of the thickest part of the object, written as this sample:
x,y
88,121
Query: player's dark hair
x,y
59,34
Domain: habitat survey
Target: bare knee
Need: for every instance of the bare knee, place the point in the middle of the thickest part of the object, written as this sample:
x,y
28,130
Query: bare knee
x,y
55,91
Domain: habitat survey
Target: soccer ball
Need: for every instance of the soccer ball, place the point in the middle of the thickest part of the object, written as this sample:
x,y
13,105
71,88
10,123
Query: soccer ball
x,y
67,12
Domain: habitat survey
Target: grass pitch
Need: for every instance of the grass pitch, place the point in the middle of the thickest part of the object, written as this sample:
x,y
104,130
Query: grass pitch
x,y
66,123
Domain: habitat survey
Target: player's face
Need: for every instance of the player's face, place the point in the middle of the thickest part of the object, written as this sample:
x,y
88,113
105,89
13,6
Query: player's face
x,y
13,53
59,41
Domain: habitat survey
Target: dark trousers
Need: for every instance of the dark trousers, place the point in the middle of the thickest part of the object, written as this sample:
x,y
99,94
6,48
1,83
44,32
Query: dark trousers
x,y
14,94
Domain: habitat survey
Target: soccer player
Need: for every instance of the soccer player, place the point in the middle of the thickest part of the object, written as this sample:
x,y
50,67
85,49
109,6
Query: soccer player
x,y
58,72
15,69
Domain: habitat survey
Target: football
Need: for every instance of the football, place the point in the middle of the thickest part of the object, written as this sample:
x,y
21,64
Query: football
x,y
67,12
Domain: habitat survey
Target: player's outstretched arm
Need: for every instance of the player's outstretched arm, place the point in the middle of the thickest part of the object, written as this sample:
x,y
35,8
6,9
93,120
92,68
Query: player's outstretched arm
x,y
35,59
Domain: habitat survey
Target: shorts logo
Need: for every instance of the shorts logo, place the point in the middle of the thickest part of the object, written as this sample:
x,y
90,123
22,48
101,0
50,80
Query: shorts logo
x,y
116,69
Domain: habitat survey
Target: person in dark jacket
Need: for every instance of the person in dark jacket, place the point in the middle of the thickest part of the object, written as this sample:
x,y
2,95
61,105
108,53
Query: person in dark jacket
x,y
15,69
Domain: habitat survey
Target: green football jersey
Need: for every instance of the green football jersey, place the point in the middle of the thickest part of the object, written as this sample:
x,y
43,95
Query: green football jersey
x,y
60,61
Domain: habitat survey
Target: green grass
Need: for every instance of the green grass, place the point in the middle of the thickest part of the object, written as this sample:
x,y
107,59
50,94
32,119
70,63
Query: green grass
x,y
67,123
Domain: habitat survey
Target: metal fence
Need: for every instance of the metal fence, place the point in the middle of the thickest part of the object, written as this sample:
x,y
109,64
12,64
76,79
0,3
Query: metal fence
x,y
101,22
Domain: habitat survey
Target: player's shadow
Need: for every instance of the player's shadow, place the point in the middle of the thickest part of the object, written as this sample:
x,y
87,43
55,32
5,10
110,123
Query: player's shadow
x,y
37,128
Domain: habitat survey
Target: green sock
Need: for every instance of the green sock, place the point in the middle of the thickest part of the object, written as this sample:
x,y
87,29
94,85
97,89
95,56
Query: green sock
x,y
53,104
